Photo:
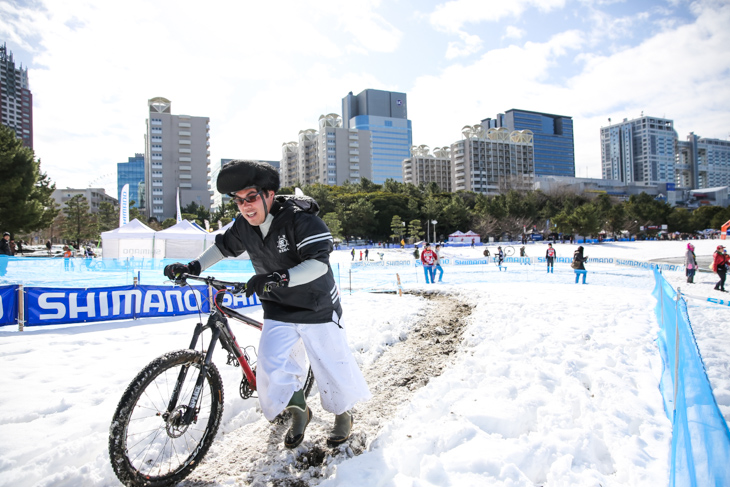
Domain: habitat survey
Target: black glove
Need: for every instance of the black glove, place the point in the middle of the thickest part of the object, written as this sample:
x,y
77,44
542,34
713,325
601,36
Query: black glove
x,y
263,283
172,271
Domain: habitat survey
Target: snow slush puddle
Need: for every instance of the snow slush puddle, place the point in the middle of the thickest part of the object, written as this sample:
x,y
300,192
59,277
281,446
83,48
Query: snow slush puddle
x,y
255,455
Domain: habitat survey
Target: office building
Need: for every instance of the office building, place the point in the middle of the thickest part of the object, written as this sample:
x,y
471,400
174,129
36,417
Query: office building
x,y
702,163
492,161
16,100
425,168
177,151
330,155
132,173
385,115
94,197
639,151
552,138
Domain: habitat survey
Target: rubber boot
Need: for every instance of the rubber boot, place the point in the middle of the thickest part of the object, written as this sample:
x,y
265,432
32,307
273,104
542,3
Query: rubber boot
x,y
301,415
341,430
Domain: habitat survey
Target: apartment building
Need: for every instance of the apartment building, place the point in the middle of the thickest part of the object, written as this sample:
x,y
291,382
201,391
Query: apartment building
x,y
177,151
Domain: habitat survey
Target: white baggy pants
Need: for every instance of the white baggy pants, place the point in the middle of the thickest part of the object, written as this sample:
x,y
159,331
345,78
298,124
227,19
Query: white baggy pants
x,y
281,368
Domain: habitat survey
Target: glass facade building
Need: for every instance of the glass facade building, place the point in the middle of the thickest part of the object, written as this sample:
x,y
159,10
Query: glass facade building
x,y
132,173
385,115
552,139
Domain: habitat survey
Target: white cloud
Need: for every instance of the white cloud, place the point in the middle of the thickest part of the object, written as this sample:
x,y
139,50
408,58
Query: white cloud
x,y
680,73
246,67
469,44
512,32
451,16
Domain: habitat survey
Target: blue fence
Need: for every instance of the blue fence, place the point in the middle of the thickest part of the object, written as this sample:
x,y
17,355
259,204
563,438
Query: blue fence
x,y
700,437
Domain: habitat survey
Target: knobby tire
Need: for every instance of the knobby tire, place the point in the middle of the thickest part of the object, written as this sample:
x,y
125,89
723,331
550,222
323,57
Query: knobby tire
x,y
146,450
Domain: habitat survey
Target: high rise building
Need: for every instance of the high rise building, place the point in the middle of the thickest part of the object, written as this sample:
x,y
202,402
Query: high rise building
x,y
702,163
385,115
330,155
639,151
177,151
425,168
132,173
552,135
16,100
492,161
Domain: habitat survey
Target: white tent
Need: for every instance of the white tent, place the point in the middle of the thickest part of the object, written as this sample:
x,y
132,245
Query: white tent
x,y
460,237
243,256
135,239
184,240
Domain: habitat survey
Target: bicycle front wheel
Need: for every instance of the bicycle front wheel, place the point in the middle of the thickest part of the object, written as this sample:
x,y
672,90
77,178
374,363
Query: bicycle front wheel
x,y
149,446
509,250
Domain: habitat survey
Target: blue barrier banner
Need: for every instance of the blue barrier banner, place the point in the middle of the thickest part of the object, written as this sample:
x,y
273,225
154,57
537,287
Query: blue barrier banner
x,y
8,305
700,436
48,306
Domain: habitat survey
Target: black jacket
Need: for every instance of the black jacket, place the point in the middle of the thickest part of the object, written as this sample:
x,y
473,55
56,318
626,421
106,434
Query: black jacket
x,y
5,247
296,234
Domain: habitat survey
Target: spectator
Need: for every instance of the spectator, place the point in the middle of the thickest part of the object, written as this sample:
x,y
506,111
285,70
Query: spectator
x,y
438,267
5,244
720,263
690,262
550,255
428,259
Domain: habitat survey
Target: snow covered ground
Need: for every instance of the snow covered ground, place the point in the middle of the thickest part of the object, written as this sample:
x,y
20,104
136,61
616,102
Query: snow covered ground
x,y
550,384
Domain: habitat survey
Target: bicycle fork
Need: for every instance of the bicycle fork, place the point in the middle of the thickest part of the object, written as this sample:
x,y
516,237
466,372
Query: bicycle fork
x,y
191,409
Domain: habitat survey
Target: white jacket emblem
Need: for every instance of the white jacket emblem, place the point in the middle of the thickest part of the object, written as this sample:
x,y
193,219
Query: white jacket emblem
x,y
283,244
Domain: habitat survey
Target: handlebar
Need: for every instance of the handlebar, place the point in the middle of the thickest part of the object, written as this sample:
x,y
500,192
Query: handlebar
x,y
238,287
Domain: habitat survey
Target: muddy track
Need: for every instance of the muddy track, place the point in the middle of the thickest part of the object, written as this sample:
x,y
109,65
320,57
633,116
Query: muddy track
x,y
254,454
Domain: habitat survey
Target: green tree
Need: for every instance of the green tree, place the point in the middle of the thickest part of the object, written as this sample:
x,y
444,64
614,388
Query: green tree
x,y
586,220
415,230
26,202
107,217
134,213
168,222
702,217
333,223
359,218
397,228
79,223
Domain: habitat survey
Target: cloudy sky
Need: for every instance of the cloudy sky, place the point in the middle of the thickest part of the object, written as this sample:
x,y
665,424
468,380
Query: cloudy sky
x,y
262,71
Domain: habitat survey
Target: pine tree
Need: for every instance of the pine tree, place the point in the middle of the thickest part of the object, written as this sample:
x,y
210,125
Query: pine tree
x,y
79,223
26,202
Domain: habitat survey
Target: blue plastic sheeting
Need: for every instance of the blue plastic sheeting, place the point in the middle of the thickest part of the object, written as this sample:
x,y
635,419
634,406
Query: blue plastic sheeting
x,y
81,272
700,436
8,305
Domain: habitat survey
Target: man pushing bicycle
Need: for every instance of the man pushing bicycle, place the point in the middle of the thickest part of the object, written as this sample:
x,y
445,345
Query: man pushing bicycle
x,y
289,247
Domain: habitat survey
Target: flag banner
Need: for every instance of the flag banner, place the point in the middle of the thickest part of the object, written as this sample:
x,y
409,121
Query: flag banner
x,y
179,214
124,206
52,306
207,225
8,311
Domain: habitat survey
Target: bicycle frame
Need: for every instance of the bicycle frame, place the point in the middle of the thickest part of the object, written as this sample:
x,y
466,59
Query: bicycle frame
x,y
221,331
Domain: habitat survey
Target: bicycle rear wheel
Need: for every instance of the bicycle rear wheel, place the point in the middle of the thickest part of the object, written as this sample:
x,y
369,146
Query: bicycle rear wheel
x,y
148,446
509,250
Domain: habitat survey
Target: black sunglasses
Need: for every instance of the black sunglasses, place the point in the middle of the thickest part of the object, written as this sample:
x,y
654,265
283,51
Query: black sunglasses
x,y
248,199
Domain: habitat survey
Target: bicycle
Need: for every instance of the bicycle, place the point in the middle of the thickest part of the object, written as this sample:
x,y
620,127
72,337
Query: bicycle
x,y
168,416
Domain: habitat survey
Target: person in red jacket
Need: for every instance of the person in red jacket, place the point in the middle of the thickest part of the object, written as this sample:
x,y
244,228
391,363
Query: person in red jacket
x,y
720,263
428,259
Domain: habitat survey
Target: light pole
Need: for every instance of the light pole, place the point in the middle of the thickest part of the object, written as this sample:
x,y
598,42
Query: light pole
x,y
434,222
